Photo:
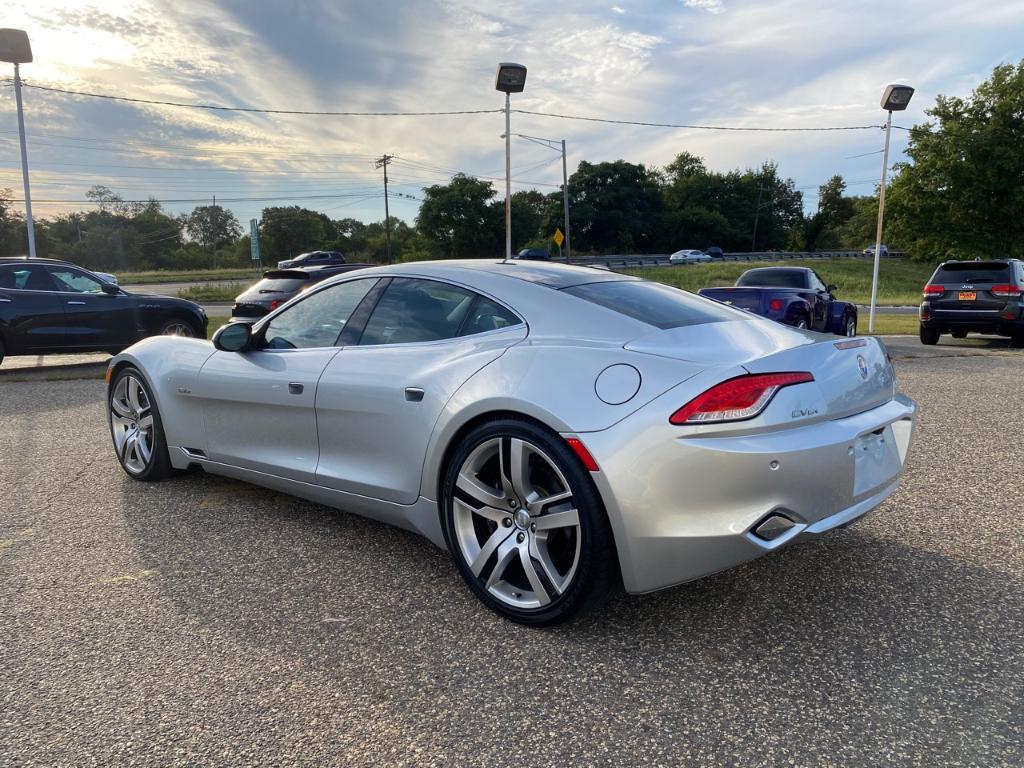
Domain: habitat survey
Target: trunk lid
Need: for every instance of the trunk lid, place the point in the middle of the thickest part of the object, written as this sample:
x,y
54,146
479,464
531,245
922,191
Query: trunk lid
x,y
741,298
729,342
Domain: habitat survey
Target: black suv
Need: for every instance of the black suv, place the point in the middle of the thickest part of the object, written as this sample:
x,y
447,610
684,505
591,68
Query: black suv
x,y
974,297
313,259
533,254
280,285
49,306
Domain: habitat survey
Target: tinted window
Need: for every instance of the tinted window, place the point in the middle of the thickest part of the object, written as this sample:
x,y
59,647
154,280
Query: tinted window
x,y
417,310
653,303
13,277
317,320
973,272
816,282
485,316
73,280
781,278
281,285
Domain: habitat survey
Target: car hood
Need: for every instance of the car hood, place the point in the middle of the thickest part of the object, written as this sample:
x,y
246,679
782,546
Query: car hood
x,y
156,300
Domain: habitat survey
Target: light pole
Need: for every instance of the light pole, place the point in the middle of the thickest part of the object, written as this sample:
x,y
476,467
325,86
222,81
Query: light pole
x,y
895,99
559,146
15,49
511,79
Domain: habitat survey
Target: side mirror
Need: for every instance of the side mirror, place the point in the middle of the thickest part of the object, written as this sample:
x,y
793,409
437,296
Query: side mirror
x,y
233,337
831,287
110,289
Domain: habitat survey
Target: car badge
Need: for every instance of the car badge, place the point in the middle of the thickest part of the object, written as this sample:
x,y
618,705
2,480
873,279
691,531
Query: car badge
x,y
863,365
966,286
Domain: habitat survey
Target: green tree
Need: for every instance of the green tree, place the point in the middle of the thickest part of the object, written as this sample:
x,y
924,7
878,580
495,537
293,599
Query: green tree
x,y
833,210
289,231
614,206
213,226
961,195
458,219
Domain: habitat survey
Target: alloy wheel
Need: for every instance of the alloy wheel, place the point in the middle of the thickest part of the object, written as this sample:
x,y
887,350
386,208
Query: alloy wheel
x,y
851,327
179,329
516,523
131,422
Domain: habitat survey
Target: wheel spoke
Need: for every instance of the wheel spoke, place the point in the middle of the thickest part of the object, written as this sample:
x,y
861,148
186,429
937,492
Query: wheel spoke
x,y
538,506
142,448
518,470
570,518
539,550
485,496
146,421
508,550
488,549
119,408
531,575
134,390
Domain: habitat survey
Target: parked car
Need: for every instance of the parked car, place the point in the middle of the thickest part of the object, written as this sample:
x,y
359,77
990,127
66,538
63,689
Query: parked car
x,y
691,256
794,296
883,249
279,285
49,306
421,395
714,252
964,297
313,259
533,254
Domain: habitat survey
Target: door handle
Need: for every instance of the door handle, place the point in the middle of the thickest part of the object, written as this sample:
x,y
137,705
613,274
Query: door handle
x,y
414,394
79,303
295,388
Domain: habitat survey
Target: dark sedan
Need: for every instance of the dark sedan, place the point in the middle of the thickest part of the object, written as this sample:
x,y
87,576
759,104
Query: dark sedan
x,y
280,285
49,306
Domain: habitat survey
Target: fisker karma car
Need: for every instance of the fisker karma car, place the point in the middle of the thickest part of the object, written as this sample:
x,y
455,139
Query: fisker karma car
x,y
560,430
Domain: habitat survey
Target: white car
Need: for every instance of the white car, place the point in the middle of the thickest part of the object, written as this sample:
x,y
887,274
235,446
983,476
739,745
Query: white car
x,y
870,250
688,257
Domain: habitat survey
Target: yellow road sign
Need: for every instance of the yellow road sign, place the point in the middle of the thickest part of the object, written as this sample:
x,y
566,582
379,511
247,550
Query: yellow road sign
x,y
559,238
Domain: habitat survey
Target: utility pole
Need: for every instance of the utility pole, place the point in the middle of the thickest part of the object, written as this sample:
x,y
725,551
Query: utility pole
x,y
565,202
24,165
383,163
213,226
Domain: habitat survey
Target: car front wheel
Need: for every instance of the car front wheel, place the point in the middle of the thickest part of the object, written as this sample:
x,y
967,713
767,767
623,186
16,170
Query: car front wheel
x,y
136,428
525,524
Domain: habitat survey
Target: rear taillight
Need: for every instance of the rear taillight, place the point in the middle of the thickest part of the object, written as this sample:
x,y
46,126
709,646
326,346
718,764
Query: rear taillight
x,y
775,305
1006,291
736,399
275,304
933,290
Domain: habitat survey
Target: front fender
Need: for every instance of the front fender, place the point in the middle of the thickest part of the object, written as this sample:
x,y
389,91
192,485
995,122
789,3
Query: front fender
x,y
836,312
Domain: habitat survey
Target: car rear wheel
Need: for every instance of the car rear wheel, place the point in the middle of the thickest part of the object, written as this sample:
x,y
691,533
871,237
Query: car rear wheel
x,y
801,323
136,428
525,524
850,325
179,327
929,336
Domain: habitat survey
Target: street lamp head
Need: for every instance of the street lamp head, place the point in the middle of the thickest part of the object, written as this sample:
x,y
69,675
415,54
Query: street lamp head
x,y
511,78
14,46
896,97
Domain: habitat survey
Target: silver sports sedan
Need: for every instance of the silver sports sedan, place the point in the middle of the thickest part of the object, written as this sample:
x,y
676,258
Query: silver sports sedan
x,y
560,430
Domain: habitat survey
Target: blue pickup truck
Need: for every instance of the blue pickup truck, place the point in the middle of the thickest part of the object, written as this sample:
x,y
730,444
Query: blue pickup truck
x,y
792,295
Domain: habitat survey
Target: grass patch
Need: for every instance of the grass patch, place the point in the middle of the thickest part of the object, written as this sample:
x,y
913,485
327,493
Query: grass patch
x,y
886,325
203,293
215,323
185,276
900,281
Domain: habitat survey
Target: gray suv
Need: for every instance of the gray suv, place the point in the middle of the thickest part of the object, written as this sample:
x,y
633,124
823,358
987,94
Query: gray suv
x,y
974,297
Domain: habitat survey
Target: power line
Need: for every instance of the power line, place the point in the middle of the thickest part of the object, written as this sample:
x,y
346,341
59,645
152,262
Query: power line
x,y
698,127
218,108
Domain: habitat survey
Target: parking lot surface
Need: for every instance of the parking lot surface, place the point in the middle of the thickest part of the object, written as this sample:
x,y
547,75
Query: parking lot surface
x,y
202,621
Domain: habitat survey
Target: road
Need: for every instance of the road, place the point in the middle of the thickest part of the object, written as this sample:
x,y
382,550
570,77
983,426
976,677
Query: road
x,y
202,621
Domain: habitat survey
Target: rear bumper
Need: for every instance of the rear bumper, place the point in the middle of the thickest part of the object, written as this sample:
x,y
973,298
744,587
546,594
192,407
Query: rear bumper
x,y
687,506
1005,321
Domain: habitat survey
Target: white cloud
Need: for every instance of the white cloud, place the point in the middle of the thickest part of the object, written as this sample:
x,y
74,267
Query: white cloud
x,y
711,6
617,9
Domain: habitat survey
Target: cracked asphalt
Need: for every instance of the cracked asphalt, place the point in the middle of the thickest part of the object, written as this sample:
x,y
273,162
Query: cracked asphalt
x,y
201,621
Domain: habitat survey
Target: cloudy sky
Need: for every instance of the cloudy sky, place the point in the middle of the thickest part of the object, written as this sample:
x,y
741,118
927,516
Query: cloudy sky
x,y
777,63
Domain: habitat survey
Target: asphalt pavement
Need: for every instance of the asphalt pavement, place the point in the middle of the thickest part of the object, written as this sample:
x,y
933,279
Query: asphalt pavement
x,y
202,621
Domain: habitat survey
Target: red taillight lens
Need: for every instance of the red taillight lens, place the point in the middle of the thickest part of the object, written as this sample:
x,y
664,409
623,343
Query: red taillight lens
x,y
775,305
933,290
584,455
1006,291
736,399
275,304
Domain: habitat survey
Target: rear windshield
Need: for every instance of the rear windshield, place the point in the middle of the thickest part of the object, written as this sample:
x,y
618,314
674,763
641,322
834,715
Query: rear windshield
x,y
282,284
973,272
652,303
780,278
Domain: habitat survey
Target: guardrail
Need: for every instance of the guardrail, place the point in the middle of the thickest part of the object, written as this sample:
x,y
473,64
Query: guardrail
x,y
618,261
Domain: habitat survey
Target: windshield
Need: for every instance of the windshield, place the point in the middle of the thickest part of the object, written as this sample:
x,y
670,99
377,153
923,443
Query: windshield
x,y
973,272
652,303
781,278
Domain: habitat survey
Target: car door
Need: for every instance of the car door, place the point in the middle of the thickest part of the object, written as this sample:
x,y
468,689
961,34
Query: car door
x,y
378,400
94,319
31,313
258,405
822,298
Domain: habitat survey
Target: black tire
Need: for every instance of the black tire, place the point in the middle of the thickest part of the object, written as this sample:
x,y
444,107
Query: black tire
x,y
170,328
596,573
849,318
929,336
1017,340
1,350
958,334
158,466
802,323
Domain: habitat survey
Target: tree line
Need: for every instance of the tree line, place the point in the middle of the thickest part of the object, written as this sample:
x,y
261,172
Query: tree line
x,y
959,194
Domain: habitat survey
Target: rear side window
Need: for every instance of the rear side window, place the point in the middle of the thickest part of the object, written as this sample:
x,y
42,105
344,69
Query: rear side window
x,y
487,316
652,303
973,272
414,310
780,278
